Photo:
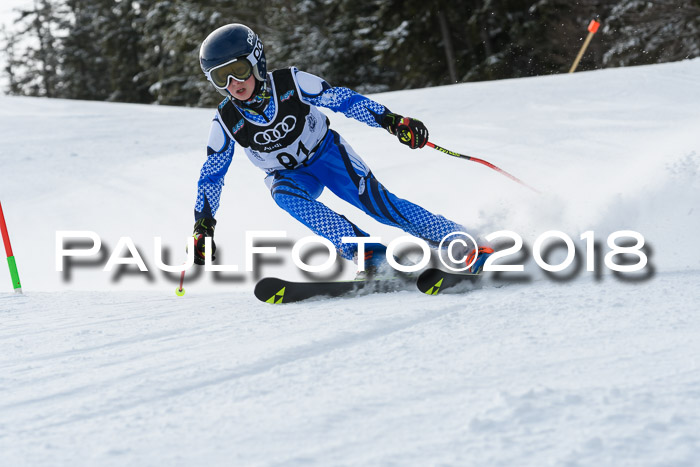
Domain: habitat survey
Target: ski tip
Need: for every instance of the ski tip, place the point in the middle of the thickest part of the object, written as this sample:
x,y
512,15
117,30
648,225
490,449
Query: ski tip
x,y
277,297
433,281
270,290
430,281
434,289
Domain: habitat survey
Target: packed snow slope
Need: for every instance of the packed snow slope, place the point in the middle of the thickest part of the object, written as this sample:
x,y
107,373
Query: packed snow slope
x,y
583,368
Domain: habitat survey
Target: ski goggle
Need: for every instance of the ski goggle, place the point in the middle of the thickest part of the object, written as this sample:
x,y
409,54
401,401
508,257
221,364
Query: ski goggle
x,y
239,68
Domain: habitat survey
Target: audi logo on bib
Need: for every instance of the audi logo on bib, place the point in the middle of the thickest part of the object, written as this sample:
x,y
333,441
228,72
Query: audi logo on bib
x,y
275,134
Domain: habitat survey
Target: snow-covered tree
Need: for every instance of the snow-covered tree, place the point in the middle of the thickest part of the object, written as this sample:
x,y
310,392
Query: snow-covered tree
x,y
652,31
38,73
147,50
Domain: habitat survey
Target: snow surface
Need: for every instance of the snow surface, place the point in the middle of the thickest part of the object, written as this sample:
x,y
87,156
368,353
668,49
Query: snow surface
x,y
98,368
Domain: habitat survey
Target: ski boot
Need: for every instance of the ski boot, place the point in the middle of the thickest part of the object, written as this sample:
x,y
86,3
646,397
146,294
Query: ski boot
x,y
375,262
483,254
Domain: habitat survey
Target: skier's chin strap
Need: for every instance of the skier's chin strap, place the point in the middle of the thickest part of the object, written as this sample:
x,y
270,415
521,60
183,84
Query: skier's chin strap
x,y
261,97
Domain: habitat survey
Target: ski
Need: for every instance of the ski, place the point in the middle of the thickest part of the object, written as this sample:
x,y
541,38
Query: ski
x,y
433,281
278,291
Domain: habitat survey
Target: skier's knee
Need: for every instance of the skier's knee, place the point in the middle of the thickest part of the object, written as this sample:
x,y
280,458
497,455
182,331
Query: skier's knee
x,y
280,199
288,199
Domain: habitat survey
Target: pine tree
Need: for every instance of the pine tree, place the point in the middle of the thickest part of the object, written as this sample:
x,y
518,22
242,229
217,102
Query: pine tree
x,y
147,50
85,65
653,31
38,75
12,64
122,43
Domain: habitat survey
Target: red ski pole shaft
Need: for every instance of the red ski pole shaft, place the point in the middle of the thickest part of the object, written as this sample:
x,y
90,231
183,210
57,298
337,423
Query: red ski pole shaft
x,y
180,291
480,161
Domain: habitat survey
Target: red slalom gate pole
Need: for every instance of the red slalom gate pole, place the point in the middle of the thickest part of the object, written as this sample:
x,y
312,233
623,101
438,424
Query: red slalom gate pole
x,y
480,161
10,256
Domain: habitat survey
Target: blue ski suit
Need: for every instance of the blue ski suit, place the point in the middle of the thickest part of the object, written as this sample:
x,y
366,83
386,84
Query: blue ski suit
x,y
292,142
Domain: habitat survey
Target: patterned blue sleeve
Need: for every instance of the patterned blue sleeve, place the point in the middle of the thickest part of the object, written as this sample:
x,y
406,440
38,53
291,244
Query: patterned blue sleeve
x,y
316,91
211,178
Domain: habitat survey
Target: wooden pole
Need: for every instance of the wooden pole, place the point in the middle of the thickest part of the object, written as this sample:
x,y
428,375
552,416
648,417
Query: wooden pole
x,y
592,29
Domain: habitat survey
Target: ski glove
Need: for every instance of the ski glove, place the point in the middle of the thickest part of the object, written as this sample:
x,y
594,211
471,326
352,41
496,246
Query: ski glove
x,y
203,228
410,131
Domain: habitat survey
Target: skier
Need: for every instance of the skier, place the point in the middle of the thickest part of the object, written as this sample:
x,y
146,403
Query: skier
x,y
275,117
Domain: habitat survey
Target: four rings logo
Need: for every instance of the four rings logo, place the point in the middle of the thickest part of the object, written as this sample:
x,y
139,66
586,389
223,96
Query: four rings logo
x,y
280,130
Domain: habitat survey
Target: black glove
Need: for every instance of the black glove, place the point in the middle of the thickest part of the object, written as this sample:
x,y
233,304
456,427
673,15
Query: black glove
x,y
410,131
203,228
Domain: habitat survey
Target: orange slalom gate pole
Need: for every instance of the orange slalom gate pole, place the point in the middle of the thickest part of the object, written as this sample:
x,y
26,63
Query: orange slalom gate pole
x,y
592,29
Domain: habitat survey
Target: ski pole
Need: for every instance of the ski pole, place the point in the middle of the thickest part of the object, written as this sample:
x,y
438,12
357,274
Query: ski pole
x,y
480,161
10,257
181,291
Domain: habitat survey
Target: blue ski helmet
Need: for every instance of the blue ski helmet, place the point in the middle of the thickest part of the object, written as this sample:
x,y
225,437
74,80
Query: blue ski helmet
x,y
232,43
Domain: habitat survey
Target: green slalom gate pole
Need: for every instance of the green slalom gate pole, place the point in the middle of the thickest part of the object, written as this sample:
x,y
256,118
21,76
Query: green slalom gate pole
x,y
10,257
